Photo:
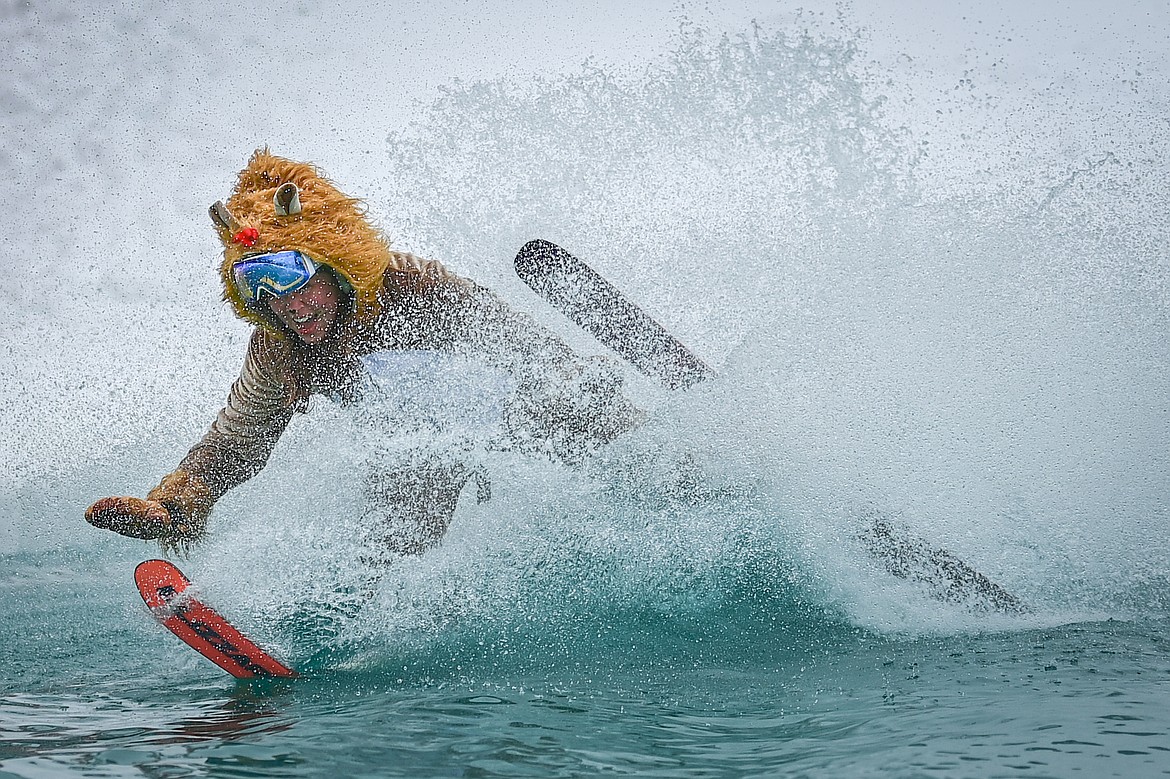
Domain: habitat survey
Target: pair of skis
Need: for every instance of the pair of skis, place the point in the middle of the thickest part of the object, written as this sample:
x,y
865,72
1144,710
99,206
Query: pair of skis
x,y
585,297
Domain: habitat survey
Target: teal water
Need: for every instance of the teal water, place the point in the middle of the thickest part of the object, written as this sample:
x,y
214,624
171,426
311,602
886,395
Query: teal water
x,y
758,687
924,246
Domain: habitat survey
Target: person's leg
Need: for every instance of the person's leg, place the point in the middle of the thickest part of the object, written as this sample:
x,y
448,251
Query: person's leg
x,y
410,507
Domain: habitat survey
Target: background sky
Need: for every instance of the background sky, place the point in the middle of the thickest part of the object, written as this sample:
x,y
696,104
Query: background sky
x,y
92,93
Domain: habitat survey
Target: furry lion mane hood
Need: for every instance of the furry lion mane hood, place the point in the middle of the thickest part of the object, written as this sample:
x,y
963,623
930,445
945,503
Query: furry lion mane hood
x,y
279,204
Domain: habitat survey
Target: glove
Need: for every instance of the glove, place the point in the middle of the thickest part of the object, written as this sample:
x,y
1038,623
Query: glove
x,y
175,511
133,517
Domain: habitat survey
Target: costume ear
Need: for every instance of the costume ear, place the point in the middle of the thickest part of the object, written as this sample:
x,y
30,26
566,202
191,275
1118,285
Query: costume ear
x,y
287,199
223,218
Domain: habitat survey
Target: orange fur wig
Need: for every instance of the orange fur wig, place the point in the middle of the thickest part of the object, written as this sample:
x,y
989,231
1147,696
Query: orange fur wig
x,y
330,227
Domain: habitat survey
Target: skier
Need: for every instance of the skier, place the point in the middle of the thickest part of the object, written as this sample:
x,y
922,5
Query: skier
x,y
326,295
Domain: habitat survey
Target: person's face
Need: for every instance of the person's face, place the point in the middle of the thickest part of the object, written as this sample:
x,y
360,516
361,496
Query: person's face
x,y
311,311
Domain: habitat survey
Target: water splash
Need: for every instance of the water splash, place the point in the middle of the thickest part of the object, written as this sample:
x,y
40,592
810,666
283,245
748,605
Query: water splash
x,y
980,357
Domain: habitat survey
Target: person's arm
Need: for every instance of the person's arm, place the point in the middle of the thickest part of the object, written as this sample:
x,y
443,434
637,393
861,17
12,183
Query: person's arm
x,y
258,409
236,447
565,404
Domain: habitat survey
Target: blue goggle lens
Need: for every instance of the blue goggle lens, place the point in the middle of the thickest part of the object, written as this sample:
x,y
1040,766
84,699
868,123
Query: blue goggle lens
x,y
275,273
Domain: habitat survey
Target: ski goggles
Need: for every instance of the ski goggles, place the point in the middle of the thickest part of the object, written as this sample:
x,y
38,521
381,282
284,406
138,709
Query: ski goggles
x,y
274,273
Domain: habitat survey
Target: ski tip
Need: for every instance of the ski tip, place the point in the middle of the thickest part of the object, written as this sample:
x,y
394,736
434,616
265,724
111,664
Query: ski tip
x,y
159,583
155,573
593,303
164,589
535,254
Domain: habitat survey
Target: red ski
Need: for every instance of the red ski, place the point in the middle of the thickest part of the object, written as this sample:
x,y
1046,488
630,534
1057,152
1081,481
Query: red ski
x,y
164,588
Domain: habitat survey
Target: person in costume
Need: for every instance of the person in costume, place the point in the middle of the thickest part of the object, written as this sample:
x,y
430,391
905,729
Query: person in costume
x,y
325,292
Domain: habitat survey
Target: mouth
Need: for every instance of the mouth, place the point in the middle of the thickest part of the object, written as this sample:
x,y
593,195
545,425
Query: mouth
x,y
310,325
302,324
309,328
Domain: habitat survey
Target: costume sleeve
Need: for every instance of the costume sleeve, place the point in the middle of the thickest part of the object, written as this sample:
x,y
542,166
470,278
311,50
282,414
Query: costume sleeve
x,y
565,405
244,433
